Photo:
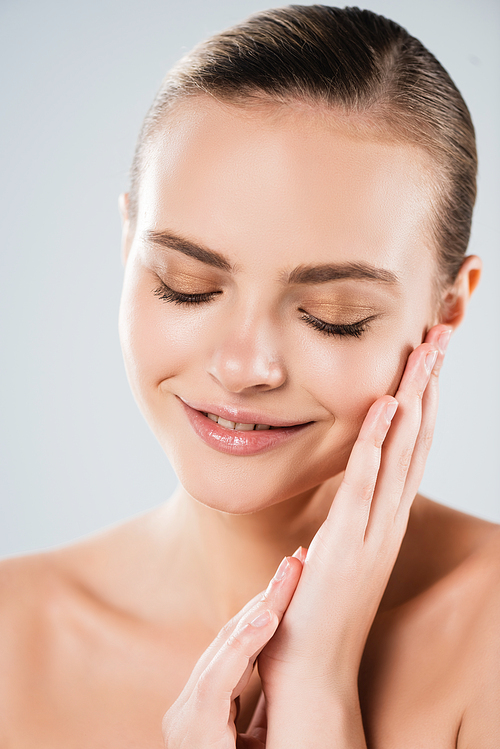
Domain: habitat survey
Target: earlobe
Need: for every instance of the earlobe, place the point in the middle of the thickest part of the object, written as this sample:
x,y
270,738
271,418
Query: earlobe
x,y
123,204
457,297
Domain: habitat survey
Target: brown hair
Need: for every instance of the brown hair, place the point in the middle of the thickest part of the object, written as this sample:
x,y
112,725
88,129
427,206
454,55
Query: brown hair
x,y
354,61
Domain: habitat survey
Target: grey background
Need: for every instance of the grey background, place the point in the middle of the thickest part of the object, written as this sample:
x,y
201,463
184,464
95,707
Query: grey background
x,y
77,78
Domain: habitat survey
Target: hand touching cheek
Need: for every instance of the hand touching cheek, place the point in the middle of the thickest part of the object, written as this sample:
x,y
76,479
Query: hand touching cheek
x,y
313,660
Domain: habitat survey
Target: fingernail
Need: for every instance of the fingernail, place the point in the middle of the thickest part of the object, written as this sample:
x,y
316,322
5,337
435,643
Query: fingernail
x,y
390,410
282,569
297,554
444,340
262,619
430,360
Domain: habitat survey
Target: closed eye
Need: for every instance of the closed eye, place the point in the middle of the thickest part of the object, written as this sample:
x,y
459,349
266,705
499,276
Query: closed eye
x,y
355,329
170,295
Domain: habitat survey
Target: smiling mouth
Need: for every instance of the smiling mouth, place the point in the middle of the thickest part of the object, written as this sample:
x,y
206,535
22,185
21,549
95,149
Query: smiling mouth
x,y
237,426
237,437
230,419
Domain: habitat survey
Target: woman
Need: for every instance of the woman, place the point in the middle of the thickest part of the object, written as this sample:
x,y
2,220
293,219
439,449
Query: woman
x,y
294,246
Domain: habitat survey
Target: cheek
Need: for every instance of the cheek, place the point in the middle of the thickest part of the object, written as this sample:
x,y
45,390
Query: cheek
x,y
157,338
347,375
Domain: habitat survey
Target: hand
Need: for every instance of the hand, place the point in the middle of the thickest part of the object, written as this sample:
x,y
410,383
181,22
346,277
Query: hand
x,y
313,659
204,714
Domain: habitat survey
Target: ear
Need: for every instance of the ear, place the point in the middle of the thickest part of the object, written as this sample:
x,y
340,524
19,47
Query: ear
x,y
456,298
123,204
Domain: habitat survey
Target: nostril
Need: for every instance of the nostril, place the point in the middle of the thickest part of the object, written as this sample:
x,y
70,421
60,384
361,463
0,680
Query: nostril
x,y
246,372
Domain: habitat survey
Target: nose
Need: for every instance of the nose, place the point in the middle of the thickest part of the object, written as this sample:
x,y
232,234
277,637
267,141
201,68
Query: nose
x,y
248,357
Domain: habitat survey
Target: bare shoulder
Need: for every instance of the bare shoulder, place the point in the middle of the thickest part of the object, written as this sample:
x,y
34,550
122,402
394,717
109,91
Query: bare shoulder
x,y
67,646
450,541
466,555
26,583
480,725
430,673
48,602
30,588
474,621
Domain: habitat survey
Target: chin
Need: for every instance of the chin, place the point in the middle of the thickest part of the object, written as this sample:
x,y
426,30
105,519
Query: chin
x,y
227,501
242,488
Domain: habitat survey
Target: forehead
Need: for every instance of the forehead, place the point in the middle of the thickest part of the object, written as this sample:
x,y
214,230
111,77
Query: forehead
x,y
287,185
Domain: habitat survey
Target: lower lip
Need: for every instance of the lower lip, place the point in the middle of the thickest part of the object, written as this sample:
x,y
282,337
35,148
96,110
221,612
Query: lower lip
x,y
239,443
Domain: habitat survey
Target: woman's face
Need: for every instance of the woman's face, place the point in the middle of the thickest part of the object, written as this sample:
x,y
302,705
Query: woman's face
x,y
280,273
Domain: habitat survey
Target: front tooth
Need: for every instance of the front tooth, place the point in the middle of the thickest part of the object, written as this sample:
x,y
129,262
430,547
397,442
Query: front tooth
x,y
260,427
244,427
226,423
213,417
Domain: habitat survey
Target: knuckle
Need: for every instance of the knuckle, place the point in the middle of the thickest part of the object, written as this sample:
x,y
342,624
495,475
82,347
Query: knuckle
x,y
227,628
378,440
425,439
411,402
203,687
404,461
401,520
362,490
363,437
370,439
365,492
240,640
420,390
404,399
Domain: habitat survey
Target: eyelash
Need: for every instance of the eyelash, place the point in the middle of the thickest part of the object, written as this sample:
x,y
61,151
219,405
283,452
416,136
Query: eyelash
x,y
169,295
354,330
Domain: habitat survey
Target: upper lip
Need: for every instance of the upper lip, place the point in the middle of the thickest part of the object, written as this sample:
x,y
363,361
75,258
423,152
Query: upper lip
x,y
241,416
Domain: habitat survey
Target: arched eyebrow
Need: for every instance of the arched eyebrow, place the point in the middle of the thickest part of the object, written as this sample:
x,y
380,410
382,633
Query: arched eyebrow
x,y
173,241
308,274
303,274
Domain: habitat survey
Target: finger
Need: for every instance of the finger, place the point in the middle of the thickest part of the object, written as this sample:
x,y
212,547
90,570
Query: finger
x,y
214,691
277,596
348,516
246,741
438,336
274,588
300,554
258,725
208,709
237,708
217,643
223,678
401,441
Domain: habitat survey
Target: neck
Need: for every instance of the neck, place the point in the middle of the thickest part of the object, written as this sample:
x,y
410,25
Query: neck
x,y
230,558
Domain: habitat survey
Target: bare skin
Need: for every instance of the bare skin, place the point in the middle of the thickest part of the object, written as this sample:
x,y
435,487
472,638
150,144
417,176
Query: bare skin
x,y
99,639
92,659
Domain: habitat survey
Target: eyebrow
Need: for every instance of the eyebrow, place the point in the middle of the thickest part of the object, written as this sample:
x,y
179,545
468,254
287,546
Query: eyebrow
x,y
303,274
311,274
173,241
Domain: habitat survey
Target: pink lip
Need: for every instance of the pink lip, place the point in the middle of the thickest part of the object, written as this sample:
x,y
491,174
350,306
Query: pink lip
x,y
234,442
241,416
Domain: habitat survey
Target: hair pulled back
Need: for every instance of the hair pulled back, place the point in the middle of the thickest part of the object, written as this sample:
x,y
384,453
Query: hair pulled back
x,y
357,63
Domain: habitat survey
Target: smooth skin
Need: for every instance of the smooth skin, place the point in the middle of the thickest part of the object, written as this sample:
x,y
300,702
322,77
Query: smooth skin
x,y
385,634
345,573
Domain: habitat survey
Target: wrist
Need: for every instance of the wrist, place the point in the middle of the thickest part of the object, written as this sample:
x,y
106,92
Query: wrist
x,y
312,718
